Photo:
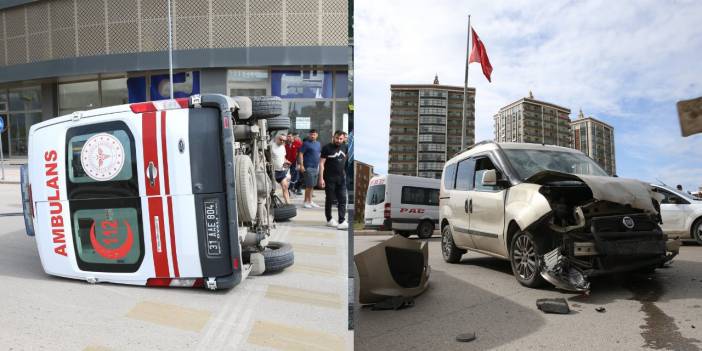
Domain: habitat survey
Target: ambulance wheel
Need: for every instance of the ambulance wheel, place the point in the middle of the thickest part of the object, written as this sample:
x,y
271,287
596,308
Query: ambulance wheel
x,y
284,213
278,123
278,256
246,191
425,229
265,106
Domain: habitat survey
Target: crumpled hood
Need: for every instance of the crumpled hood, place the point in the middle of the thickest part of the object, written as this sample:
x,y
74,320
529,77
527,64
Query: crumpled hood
x,y
632,192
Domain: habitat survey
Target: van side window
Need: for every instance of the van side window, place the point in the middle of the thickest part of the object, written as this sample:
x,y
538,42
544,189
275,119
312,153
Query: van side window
x,y
450,177
481,165
412,195
464,174
76,144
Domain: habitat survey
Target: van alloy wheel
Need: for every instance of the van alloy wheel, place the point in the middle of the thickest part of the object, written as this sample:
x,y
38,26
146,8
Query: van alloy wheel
x,y
524,257
449,250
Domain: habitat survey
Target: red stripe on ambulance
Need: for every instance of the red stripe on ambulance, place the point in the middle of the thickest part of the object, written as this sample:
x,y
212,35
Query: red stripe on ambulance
x,y
158,236
166,181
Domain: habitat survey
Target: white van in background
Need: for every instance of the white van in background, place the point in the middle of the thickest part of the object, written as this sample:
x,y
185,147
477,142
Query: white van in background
x,y
406,205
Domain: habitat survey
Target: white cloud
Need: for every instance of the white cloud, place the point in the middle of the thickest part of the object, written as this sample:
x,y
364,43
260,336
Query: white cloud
x,y
625,62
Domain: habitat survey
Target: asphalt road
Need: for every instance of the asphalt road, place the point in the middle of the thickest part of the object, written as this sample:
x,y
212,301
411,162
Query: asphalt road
x,y
662,311
301,308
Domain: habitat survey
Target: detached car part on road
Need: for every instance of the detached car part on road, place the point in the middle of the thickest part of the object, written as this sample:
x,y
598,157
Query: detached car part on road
x,y
164,193
395,267
552,212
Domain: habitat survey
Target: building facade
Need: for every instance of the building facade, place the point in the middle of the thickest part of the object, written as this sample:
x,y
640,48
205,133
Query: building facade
x,y
362,175
528,120
425,127
60,56
596,139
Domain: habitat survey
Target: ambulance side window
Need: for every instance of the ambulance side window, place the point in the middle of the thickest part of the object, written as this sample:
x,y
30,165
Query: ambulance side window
x,y
101,161
107,235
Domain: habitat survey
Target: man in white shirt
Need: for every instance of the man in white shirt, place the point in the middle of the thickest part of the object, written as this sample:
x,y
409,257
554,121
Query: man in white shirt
x,y
280,164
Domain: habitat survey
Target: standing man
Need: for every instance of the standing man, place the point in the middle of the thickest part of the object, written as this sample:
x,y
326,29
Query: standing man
x,y
332,170
292,146
308,161
280,164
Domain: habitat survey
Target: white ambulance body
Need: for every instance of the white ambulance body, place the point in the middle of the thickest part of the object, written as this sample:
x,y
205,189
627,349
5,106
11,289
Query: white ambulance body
x,y
138,194
403,204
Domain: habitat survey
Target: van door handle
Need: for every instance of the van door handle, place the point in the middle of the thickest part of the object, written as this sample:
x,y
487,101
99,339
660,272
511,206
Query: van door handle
x,y
151,173
465,206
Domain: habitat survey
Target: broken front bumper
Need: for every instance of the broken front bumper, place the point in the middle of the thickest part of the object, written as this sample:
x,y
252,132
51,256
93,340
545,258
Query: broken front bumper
x,y
395,267
608,248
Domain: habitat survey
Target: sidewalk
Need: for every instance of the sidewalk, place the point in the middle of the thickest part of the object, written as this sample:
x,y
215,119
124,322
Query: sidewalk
x,y
12,174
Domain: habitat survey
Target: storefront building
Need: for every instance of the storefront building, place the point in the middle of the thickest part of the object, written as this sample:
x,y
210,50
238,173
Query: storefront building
x,y
61,56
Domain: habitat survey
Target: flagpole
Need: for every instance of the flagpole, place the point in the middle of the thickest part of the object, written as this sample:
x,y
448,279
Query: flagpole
x,y
465,91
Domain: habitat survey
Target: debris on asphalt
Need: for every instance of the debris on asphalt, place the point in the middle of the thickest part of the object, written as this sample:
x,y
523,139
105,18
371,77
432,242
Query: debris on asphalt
x,y
465,337
558,271
601,309
558,305
693,326
394,303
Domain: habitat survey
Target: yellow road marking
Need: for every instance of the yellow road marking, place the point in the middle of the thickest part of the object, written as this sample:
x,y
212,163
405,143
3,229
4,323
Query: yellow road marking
x,y
284,337
309,297
314,249
314,269
170,315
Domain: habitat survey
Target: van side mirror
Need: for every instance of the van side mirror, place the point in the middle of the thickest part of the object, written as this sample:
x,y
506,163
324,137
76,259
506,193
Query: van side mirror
x,y
489,178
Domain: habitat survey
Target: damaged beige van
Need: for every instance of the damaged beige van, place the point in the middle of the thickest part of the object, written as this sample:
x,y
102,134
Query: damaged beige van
x,y
552,212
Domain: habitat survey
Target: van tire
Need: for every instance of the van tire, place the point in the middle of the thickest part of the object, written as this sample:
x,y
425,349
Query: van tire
x,y
449,250
425,229
278,123
265,107
278,256
284,212
246,191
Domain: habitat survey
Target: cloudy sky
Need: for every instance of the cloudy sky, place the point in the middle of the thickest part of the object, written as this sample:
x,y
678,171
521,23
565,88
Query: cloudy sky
x,y
624,62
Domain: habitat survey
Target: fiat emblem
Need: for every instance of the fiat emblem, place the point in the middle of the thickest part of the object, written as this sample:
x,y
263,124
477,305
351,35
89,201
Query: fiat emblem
x,y
628,222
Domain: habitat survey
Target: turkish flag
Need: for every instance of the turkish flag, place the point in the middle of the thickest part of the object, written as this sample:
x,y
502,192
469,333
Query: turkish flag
x,y
479,54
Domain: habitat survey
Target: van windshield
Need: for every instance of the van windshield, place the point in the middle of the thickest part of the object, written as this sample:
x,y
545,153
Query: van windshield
x,y
375,195
529,162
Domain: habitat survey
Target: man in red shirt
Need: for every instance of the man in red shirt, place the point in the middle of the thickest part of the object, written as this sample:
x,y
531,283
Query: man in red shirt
x,y
292,146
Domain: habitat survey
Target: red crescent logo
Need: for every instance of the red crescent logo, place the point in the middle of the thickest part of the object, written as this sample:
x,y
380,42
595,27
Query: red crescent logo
x,y
116,253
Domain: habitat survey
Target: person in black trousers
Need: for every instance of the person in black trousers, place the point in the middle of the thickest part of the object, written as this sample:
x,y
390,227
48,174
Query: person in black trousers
x,y
332,171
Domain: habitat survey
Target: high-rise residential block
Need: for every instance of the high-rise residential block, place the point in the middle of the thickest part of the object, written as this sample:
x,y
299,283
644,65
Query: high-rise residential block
x,y
528,120
425,127
596,139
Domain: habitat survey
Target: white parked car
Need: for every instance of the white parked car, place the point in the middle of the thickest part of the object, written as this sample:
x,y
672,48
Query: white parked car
x,y
681,213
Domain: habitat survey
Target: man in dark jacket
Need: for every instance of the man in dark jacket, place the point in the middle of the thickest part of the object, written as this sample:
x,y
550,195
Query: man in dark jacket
x,y
332,171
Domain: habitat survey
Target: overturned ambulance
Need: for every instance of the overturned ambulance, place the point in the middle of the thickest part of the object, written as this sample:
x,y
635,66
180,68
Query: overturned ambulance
x,y
552,212
164,193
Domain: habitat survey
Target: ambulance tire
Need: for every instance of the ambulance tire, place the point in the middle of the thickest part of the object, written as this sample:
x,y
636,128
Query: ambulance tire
x,y
246,191
278,256
284,212
266,106
278,123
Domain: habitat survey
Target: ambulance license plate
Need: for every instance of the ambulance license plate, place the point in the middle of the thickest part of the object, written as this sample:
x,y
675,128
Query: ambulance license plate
x,y
213,229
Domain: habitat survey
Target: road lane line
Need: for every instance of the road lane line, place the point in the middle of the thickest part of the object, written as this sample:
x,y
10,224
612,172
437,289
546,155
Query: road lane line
x,y
285,337
183,318
303,296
